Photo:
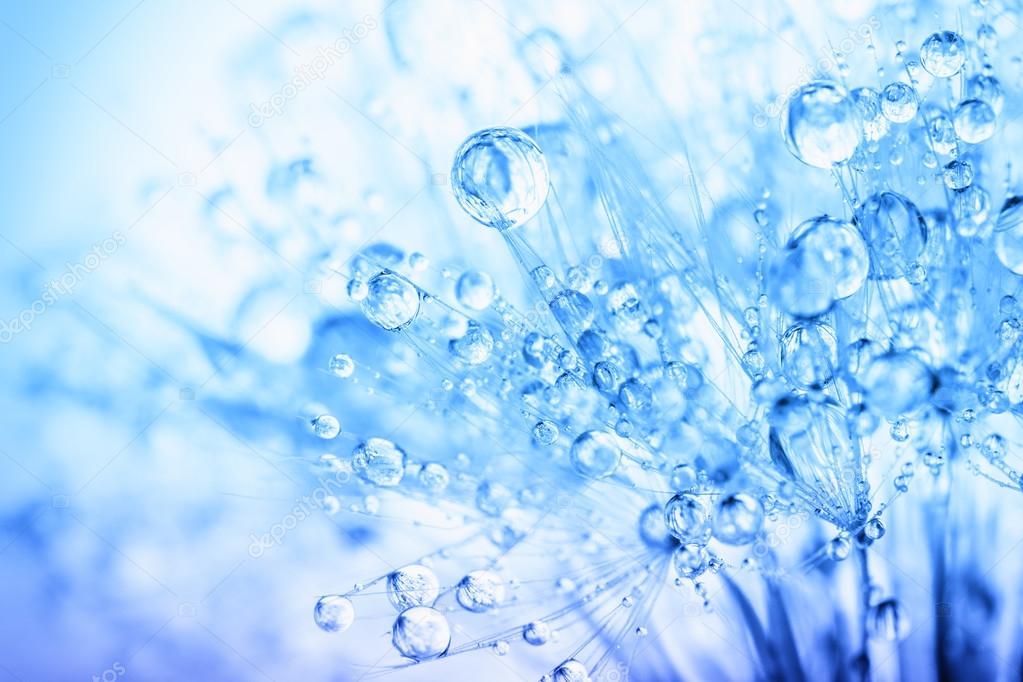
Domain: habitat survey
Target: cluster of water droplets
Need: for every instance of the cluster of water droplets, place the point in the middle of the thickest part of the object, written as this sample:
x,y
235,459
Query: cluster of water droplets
x,y
658,414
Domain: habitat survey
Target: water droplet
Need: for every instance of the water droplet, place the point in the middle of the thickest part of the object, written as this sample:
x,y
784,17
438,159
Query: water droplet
x,y
341,365
421,633
987,89
809,354
475,290
821,125
412,585
500,177
379,461
887,621
958,174
899,102
824,260
595,454
545,432
943,54
334,613
974,121
737,519
839,548
895,231
536,633
326,427
573,310
897,383
683,477
687,519
392,302
868,103
690,560
1009,234
475,346
434,477
480,591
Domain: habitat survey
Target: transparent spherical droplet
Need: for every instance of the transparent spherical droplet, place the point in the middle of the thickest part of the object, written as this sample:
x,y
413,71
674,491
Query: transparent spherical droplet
x,y
334,613
970,209
839,548
687,518
683,477
595,454
379,461
475,289
943,54
690,560
958,174
809,354
874,529
737,519
987,37
1009,234
635,396
412,585
974,121
625,307
573,310
570,671
357,290
341,365
545,432
392,302
887,621
899,102
418,261
492,498
421,633
987,89
895,233
821,125
824,260
897,383
941,134
536,632
434,476
500,177
652,530
376,256
326,426
475,346
480,591
872,120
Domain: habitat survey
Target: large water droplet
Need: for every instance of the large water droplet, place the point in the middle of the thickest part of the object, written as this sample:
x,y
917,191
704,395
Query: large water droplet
x,y
595,454
421,633
392,302
821,125
943,54
500,177
824,260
